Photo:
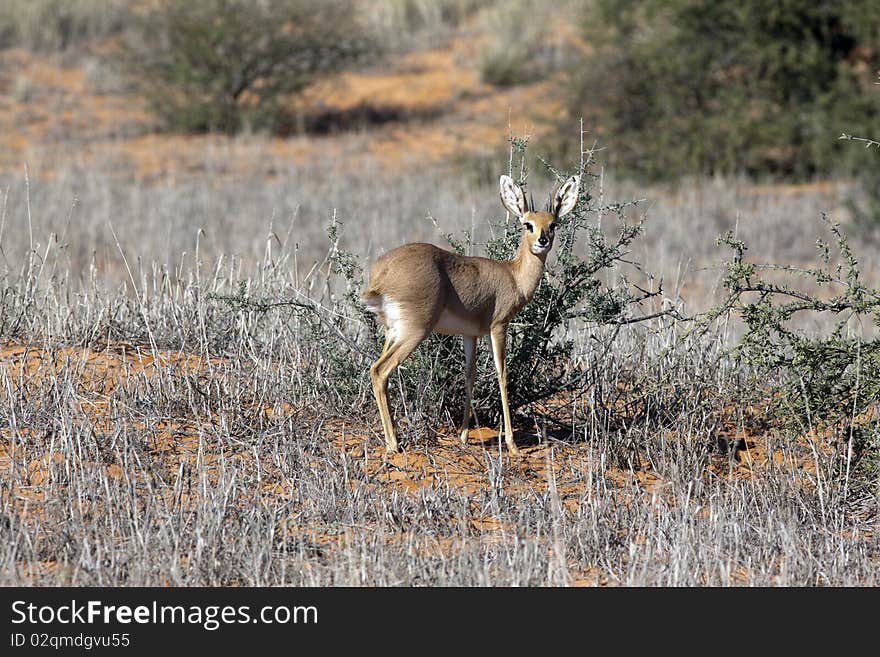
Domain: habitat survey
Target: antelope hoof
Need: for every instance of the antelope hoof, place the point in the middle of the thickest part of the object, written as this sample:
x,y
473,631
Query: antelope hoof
x,y
393,449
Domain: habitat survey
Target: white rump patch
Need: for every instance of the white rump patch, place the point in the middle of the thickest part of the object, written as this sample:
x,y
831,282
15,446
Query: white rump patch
x,y
450,324
388,313
393,320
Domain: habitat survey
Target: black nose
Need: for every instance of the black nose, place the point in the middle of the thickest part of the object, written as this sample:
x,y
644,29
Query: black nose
x,y
543,240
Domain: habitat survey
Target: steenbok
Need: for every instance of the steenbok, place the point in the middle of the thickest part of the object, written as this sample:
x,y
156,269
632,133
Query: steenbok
x,y
419,288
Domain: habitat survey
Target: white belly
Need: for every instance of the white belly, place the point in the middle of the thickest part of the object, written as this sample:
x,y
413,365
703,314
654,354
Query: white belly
x,y
450,324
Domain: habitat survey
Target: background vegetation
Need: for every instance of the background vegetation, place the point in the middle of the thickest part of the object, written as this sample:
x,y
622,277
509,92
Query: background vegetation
x,y
756,87
226,65
675,88
61,25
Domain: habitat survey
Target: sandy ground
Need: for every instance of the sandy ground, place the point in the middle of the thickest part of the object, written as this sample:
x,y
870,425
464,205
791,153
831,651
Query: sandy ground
x,y
100,373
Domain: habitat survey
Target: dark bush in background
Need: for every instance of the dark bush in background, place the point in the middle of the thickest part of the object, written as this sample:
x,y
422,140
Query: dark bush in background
x,y
226,65
761,87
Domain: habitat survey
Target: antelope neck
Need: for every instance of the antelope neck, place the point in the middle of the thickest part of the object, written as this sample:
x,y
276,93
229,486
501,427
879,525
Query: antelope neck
x,y
527,268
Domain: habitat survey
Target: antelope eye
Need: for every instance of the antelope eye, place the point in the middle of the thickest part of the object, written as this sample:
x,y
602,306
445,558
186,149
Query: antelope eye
x,y
530,227
552,228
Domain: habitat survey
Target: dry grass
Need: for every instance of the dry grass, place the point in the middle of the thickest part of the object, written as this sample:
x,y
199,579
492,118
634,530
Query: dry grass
x,y
153,435
153,479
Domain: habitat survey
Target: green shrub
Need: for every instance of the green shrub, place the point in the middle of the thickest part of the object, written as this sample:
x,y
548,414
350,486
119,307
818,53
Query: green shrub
x,y
760,87
227,65
811,383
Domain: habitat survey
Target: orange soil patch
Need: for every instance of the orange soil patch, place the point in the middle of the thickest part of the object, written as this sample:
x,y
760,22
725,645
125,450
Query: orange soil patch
x,y
419,80
463,114
99,370
542,467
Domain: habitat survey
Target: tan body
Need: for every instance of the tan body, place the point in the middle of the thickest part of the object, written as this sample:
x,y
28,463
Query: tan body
x,y
417,289
453,294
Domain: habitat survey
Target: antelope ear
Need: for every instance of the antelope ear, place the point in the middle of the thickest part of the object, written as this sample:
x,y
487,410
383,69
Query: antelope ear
x,y
512,197
566,196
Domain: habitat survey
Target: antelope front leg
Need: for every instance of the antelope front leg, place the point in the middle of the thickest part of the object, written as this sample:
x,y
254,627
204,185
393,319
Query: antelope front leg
x,y
470,374
499,341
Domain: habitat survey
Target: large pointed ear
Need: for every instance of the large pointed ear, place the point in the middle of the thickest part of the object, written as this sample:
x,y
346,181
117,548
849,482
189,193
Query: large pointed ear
x,y
566,196
512,197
